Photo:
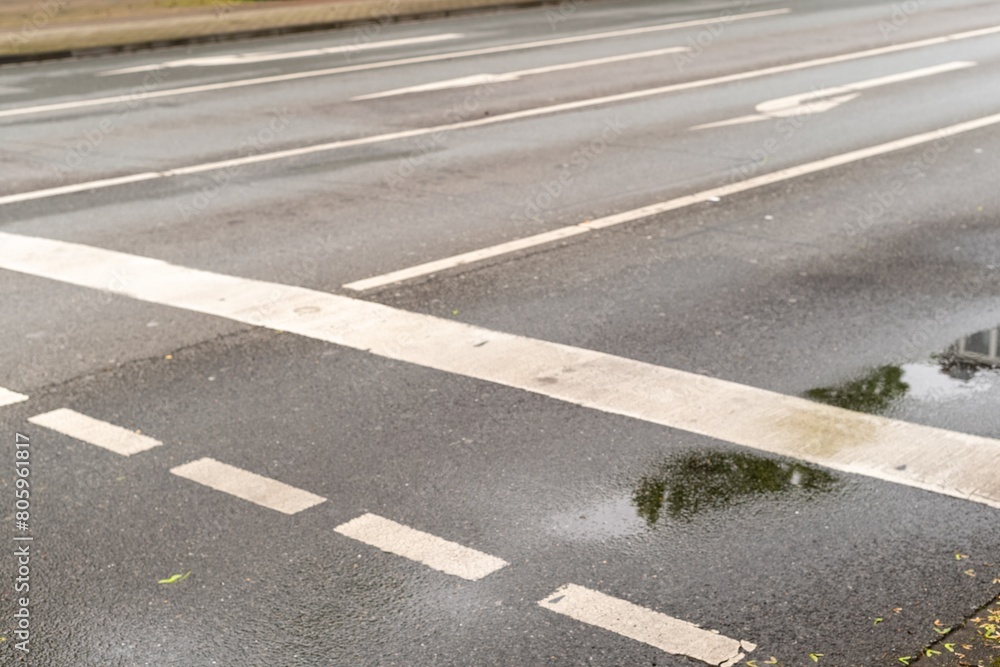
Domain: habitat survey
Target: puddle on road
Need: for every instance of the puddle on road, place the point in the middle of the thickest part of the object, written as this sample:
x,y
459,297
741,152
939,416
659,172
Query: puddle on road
x,y
957,389
697,482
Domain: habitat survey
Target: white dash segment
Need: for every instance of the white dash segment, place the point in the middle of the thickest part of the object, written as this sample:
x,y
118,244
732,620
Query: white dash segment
x,y
664,632
94,431
249,486
8,397
432,551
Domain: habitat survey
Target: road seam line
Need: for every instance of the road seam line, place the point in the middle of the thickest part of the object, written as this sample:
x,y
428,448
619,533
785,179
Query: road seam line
x,y
95,432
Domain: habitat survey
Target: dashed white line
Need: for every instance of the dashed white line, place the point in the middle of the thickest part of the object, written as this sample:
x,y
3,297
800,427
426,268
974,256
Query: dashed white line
x,y
269,56
416,545
449,127
946,462
647,626
8,397
504,77
140,96
712,194
249,486
94,431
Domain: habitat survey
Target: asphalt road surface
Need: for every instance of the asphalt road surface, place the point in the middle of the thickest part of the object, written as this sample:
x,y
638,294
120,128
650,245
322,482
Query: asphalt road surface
x,y
610,333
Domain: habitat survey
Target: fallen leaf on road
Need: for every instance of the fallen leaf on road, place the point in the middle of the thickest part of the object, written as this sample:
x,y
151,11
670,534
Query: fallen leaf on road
x,y
175,578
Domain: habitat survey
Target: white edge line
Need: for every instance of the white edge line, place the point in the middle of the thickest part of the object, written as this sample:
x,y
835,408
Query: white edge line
x,y
134,98
271,56
436,266
878,447
478,122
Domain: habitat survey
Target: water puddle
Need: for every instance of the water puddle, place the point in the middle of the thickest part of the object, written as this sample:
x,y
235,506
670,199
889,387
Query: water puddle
x,y
957,389
698,482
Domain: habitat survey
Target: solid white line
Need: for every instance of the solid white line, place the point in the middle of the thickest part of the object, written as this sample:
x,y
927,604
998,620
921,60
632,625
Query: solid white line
x,y
645,625
508,247
946,462
804,103
249,486
261,57
94,431
478,122
8,397
505,77
139,96
432,551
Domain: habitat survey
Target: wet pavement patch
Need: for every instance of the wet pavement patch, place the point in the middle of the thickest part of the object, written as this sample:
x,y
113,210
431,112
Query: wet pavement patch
x,y
957,389
697,482
874,393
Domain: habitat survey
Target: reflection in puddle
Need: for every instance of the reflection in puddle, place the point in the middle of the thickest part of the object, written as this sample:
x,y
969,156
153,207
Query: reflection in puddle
x,y
699,481
970,367
872,393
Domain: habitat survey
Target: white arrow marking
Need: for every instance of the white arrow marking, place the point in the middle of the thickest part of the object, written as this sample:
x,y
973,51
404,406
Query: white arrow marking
x,y
267,56
478,79
819,101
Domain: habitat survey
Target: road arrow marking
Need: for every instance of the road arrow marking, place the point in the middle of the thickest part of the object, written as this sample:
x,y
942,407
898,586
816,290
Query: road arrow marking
x,y
818,101
480,79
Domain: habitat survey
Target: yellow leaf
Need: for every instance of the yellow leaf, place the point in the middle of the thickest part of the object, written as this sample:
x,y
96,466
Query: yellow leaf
x,y
176,578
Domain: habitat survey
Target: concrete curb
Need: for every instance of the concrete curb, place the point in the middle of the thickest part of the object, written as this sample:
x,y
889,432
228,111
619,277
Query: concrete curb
x,y
80,40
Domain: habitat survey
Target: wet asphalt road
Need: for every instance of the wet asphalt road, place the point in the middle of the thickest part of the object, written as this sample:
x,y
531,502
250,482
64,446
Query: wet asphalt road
x,y
851,285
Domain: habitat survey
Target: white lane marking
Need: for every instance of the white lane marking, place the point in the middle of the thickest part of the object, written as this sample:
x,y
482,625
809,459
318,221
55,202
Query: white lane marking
x,y
432,551
711,194
819,101
946,462
8,397
404,134
269,56
136,97
504,77
94,431
666,633
249,486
